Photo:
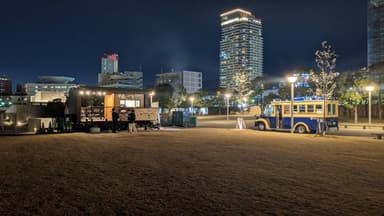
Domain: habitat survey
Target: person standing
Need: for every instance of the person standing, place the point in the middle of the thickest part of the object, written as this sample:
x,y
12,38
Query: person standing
x,y
280,113
115,118
132,122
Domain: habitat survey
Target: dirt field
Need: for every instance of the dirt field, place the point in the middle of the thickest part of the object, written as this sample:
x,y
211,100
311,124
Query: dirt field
x,y
191,172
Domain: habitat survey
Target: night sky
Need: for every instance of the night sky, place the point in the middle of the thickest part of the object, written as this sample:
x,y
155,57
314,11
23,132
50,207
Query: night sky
x,y
48,37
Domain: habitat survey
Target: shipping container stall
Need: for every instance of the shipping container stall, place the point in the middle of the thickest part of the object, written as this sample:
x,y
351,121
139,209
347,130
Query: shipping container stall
x,y
93,106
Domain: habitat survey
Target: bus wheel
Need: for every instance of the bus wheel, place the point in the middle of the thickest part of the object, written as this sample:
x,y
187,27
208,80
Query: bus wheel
x,y
301,129
261,126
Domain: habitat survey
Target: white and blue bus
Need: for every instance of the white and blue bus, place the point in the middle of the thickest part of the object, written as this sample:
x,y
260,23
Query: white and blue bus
x,y
307,115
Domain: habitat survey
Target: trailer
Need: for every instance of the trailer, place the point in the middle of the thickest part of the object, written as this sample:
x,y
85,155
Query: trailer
x,y
92,106
86,107
147,118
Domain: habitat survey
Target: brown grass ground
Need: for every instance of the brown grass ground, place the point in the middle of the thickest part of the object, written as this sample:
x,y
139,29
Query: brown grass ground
x,y
191,172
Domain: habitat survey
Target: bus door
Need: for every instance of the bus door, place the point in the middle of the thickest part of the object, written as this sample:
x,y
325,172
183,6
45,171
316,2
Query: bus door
x,y
286,122
279,116
270,113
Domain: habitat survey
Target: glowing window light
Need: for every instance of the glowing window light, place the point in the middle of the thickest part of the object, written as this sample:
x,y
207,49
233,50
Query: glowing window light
x,y
230,21
234,11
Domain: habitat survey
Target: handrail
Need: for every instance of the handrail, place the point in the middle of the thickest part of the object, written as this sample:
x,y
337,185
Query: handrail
x,y
363,126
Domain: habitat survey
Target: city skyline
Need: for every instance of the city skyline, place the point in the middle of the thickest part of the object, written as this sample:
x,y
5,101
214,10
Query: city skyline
x,y
43,38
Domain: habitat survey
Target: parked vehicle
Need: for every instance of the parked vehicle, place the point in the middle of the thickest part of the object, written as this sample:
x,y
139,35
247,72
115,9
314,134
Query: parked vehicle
x,y
307,115
84,108
90,107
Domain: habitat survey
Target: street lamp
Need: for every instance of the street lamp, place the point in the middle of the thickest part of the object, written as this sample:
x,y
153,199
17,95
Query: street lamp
x,y
369,89
192,99
227,96
245,101
151,95
292,80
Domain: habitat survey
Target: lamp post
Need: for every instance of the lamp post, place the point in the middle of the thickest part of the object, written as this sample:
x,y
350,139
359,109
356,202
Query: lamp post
x,y
245,101
369,89
192,99
227,96
151,95
292,80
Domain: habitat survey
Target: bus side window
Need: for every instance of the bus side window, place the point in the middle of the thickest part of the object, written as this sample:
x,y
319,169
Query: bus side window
x,y
329,109
295,108
310,108
319,108
302,108
286,109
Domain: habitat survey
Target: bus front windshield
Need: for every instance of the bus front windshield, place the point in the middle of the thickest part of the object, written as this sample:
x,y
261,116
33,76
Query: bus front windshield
x,y
269,110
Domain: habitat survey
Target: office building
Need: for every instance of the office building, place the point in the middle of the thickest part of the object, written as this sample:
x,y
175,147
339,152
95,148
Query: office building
x,y
241,46
302,79
190,80
5,86
111,78
110,63
128,80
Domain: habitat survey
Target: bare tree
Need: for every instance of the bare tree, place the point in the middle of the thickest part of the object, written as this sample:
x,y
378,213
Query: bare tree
x,y
241,82
325,78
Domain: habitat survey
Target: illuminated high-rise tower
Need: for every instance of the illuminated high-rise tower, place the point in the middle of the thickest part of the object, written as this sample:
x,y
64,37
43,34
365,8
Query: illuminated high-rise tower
x,y
375,32
109,63
241,46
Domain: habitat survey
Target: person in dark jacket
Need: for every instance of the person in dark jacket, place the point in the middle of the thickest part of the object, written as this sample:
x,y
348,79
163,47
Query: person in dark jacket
x,y
280,113
132,122
115,118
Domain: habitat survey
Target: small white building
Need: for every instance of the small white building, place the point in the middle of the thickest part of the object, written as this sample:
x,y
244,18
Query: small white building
x,y
58,84
192,81
48,96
